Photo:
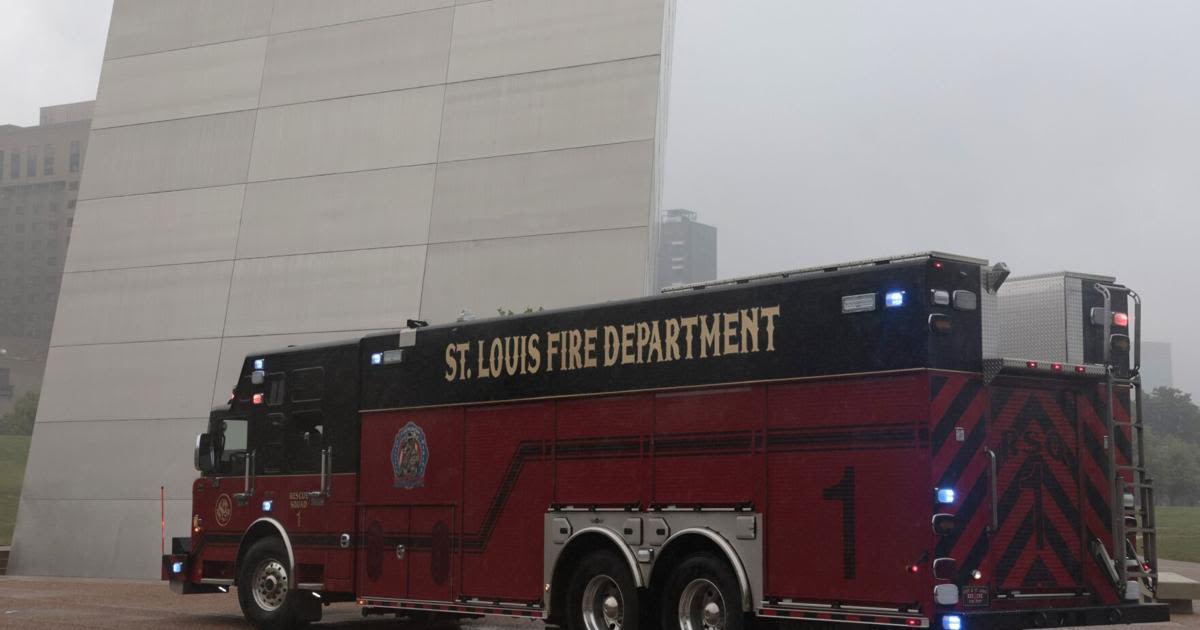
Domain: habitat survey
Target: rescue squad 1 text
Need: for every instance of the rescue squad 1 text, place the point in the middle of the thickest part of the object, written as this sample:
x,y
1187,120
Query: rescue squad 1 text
x,y
677,339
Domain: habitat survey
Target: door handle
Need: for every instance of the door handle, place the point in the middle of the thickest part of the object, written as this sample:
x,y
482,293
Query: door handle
x,y
399,552
992,480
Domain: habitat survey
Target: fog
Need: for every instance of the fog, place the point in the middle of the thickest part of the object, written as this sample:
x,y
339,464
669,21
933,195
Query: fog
x,y
50,54
1049,135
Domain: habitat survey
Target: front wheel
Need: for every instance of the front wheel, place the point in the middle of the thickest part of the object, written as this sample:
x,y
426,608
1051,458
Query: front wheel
x,y
702,594
267,592
602,595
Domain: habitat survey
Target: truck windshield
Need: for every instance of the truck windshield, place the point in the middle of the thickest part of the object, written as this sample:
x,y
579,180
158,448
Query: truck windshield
x,y
234,435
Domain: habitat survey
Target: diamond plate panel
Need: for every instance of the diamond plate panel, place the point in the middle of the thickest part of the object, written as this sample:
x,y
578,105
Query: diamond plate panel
x,y
1033,319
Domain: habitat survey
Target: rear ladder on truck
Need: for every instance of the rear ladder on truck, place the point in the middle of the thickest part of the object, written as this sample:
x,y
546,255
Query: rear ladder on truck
x,y
1132,498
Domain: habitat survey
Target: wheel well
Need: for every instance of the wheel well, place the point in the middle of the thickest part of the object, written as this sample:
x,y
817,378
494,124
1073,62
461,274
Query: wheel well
x,y
258,531
577,548
681,549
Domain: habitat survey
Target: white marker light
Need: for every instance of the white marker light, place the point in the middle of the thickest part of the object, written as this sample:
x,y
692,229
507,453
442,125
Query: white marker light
x,y
177,567
258,364
268,504
377,358
952,622
894,299
945,495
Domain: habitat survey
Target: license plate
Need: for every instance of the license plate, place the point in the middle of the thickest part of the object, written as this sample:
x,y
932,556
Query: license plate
x,y
975,596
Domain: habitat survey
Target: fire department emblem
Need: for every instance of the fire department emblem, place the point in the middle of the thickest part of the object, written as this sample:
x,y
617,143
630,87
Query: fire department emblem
x,y
410,455
224,510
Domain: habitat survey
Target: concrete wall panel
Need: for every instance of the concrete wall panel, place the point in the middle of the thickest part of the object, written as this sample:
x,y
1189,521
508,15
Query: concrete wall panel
x,y
129,381
358,58
592,188
186,226
180,84
293,15
557,109
145,26
152,454
93,538
344,135
271,172
142,304
537,271
513,36
175,155
368,289
369,209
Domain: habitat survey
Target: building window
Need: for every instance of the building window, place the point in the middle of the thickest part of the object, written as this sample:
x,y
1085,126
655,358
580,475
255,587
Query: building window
x,y
15,163
31,162
71,204
70,221
75,156
48,160
20,228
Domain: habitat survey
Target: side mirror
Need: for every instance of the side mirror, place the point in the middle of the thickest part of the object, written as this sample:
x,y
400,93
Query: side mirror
x,y
206,455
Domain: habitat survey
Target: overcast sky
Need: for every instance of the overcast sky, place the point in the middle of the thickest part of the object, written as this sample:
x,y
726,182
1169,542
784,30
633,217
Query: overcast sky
x,y
1047,134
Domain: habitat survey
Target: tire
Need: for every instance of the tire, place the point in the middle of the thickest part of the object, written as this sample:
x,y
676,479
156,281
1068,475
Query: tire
x,y
602,595
702,593
266,590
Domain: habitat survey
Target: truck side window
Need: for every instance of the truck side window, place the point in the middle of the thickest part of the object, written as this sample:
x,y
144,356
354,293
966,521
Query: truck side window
x,y
274,454
308,384
275,387
304,439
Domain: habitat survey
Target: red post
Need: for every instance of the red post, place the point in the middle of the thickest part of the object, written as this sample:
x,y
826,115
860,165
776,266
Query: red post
x,y
162,505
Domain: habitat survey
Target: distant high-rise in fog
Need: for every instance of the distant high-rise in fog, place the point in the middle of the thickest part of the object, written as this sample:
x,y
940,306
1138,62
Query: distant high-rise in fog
x,y
687,249
39,183
1156,365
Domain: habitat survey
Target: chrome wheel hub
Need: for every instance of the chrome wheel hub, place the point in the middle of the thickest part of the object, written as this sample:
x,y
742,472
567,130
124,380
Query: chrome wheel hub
x,y
270,585
603,606
701,606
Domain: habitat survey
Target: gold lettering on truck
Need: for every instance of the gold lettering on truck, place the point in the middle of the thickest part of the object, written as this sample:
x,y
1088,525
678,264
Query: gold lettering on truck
x,y
702,336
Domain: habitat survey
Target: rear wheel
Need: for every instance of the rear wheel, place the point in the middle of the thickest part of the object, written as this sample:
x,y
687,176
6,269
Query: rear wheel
x,y
267,591
602,595
703,594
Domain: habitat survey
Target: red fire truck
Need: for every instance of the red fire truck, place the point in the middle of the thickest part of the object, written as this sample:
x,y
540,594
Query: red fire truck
x,y
911,441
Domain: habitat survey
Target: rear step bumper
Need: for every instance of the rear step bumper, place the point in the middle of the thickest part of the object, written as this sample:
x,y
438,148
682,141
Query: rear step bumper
x,y
1058,617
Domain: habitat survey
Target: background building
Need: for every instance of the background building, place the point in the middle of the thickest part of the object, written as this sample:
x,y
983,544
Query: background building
x,y
274,172
1156,366
39,183
687,249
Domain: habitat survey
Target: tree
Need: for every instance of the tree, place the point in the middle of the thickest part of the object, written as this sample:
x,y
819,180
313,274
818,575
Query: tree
x,y
1171,412
19,420
1175,466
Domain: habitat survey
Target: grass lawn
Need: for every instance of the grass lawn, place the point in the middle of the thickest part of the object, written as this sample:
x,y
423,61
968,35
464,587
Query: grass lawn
x,y
1179,533
13,451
